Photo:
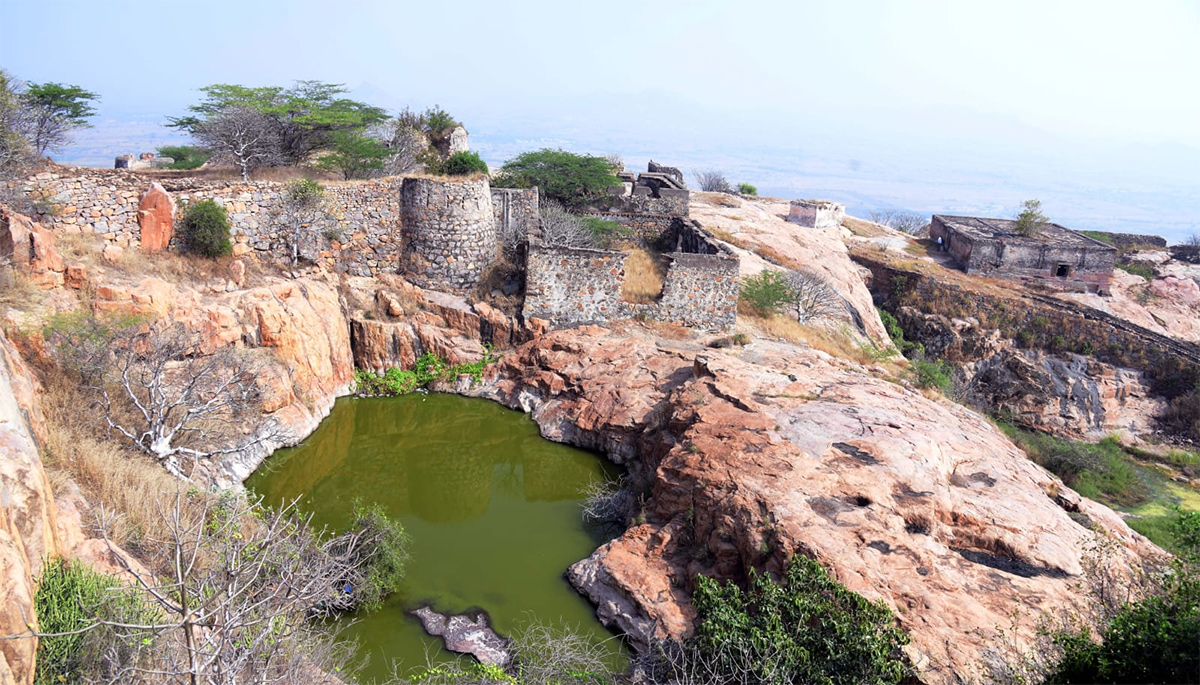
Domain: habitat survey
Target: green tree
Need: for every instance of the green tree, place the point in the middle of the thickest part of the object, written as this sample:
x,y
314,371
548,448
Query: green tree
x,y
747,189
14,123
353,155
1031,217
185,156
304,115
572,179
55,111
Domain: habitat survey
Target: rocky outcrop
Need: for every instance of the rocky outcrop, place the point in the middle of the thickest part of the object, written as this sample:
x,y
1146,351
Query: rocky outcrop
x,y
156,218
30,247
1168,304
777,450
759,233
1065,393
28,517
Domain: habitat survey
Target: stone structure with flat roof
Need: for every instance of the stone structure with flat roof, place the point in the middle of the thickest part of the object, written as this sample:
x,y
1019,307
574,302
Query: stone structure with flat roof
x,y
1053,255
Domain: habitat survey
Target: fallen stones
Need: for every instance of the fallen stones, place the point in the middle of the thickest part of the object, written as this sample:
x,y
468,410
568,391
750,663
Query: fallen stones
x,y
464,634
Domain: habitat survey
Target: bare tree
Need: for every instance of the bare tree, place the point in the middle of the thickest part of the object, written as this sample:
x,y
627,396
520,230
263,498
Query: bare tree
x,y
607,502
303,214
713,182
616,161
244,136
16,126
407,144
160,389
241,597
561,228
1193,239
900,220
738,663
812,297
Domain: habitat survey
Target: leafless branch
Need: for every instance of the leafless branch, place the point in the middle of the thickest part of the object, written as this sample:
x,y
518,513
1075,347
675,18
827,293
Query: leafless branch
x,y
813,297
246,137
713,182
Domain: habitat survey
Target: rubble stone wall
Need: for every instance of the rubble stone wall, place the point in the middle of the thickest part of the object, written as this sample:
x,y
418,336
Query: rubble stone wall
x,y
449,228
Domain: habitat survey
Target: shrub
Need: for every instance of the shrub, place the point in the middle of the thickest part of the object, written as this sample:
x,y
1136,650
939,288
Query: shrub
x,y
713,182
1152,640
428,368
205,229
571,179
1031,218
747,189
1138,269
938,374
70,596
765,292
1100,471
185,156
604,232
896,333
807,629
464,164
382,564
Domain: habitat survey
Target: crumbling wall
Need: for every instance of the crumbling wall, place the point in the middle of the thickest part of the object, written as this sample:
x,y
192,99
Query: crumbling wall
x,y
363,235
1128,241
571,286
817,213
516,210
449,229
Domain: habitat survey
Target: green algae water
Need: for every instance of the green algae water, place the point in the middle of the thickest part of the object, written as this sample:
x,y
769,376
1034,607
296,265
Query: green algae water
x,y
492,510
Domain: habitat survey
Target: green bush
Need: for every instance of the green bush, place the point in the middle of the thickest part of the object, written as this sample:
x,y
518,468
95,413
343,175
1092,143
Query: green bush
x,y
605,231
1138,269
205,229
463,164
571,179
185,156
937,374
808,629
71,596
1154,640
383,569
896,333
765,292
747,189
428,368
1101,471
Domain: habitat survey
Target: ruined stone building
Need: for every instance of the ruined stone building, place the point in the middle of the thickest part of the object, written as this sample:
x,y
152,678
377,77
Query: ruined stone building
x,y
1054,256
817,213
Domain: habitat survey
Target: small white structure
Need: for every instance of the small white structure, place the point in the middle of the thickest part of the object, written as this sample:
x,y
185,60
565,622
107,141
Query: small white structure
x,y
817,213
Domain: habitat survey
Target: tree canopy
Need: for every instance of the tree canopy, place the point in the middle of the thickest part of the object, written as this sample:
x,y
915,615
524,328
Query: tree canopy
x,y
305,115
572,179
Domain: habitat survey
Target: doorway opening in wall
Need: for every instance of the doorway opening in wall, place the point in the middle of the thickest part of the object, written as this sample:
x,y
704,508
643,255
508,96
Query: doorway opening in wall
x,y
1064,270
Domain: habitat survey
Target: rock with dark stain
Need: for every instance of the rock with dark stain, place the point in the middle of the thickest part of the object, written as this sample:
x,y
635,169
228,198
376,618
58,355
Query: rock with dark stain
x,y
464,634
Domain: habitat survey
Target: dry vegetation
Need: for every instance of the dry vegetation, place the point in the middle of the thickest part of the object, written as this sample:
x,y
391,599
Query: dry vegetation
x,y
838,343
644,272
109,473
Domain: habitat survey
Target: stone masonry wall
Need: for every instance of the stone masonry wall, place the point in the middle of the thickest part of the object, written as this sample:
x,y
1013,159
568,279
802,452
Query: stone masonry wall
x,y
449,229
362,238
570,286
516,210
817,213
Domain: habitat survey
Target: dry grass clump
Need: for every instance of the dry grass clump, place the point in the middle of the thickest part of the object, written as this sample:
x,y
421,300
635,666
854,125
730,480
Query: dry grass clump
x,y
727,237
836,343
776,257
16,288
79,248
717,199
863,228
644,274
108,472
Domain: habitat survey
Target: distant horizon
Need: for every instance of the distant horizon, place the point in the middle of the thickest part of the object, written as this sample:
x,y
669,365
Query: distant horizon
x,y
929,106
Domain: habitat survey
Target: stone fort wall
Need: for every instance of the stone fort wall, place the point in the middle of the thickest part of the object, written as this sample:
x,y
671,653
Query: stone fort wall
x,y
449,229
571,286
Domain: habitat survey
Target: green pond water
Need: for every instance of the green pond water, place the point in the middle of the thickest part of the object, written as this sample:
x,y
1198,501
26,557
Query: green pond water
x,y
491,507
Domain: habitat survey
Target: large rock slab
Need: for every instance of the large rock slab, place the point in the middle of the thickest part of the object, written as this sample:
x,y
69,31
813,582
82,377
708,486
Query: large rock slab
x,y
755,455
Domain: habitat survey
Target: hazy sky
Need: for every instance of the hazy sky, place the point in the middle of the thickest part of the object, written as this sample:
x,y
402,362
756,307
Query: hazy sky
x,y
1105,93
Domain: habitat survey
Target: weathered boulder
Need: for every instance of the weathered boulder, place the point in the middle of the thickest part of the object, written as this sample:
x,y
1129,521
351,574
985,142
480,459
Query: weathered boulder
x,y
30,247
755,455
457,141
156,218
464,634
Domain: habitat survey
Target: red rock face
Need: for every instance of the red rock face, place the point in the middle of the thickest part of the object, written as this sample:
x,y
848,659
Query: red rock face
x,y
156,217
30,247
752,456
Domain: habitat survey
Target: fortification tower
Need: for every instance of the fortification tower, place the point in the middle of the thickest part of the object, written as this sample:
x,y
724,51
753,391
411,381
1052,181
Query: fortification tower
x,y
449,231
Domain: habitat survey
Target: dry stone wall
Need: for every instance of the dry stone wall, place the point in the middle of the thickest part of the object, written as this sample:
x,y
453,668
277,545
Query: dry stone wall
x,y
362,236
817,213
449,232
516,210
572,286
